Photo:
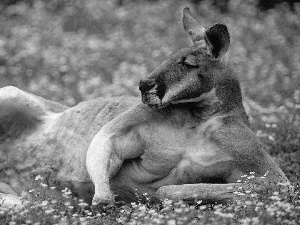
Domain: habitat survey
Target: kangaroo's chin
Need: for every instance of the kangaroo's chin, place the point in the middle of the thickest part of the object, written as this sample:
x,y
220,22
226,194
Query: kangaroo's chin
x,y
152,100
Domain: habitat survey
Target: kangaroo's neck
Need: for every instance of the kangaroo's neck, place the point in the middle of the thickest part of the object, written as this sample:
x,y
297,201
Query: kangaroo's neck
x,y
225,98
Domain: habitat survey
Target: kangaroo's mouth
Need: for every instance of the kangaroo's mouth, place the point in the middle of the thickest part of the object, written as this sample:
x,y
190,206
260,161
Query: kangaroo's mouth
x,y
152,93
152,99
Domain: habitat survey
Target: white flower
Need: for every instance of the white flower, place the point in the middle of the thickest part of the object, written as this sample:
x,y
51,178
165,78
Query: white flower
x,y
67,203
171,222
44,185
49,211
44,203
39,177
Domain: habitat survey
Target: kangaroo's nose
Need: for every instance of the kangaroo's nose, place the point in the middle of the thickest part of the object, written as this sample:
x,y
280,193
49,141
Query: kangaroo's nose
x,y
146,85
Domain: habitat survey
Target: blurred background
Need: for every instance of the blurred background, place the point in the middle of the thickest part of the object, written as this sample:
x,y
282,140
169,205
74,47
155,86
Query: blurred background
x,y
71,51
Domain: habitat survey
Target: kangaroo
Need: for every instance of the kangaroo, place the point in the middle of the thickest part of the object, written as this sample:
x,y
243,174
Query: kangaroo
x,y
192,128
188,137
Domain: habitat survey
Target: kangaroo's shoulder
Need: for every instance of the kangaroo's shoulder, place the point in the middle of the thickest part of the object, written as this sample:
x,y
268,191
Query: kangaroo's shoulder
x,y
235,129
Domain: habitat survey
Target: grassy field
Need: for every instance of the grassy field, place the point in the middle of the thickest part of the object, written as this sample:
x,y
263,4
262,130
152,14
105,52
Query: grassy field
x,y
75,51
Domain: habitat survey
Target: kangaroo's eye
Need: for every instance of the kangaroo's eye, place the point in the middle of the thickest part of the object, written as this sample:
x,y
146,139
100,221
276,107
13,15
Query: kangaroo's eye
x,y
189,61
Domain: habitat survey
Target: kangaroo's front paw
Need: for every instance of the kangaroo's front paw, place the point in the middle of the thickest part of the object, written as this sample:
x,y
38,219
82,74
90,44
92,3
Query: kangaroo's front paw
x,y
106,199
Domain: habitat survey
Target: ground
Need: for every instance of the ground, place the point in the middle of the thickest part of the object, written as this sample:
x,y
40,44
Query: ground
x,y
80,50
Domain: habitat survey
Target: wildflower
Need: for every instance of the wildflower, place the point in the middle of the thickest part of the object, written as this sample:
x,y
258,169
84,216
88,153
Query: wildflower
x,y
151,211
83,204
171,222
67,203
178,210
52,188
202,207
32,190
156,221
275,198
168,201
44,203
44,185
121,220
260,204
266,173
271,138
26,202
24,212
271,210
49,211
75,215
252,173
39,177
199,202
82,219
142,208
245,221
66,192
229,215
86,211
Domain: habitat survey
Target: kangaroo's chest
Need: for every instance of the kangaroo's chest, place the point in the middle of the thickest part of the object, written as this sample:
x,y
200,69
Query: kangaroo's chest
x,y
178,154
166,138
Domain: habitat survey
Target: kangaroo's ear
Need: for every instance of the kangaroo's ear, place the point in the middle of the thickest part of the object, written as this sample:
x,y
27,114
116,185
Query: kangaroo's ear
x,y
215,39
193,27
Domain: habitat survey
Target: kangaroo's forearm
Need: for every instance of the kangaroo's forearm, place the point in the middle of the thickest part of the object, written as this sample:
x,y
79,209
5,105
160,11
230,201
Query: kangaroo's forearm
x,y
205,191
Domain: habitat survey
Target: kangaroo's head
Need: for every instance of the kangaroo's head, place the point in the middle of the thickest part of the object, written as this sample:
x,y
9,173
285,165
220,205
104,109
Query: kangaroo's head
x,y
197,73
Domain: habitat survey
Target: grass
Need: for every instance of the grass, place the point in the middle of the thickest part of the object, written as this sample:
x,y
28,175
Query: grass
x,y
44,207
79,50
